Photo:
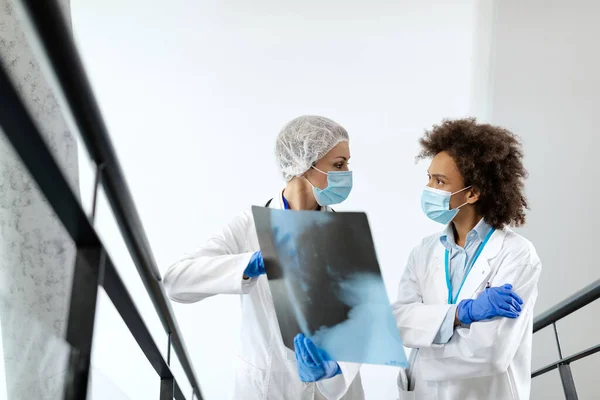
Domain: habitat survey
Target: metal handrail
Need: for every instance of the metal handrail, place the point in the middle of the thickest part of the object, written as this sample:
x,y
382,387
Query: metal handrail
x,y
567,360
578,300
68,78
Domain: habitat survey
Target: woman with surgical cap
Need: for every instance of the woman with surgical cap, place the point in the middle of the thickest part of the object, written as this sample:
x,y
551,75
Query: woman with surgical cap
x,y
312,153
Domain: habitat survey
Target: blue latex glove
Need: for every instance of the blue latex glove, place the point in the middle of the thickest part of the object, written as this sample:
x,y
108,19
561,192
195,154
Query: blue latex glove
x,y
498,301
313,363
256,266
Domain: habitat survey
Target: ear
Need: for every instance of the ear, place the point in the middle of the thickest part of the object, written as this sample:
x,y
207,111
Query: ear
x,y
473,195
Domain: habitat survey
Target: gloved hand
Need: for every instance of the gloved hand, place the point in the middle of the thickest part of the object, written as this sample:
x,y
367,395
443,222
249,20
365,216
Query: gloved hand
x,y
256,266
313,363
498,301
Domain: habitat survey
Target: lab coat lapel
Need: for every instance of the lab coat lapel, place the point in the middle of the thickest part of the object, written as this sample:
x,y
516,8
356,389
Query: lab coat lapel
x,y
481,271
433,276
440,290
477,277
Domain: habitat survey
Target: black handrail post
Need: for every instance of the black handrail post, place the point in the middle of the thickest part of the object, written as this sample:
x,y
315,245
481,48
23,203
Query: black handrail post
x,y
566,376
564,369
560,355
89,265
167,389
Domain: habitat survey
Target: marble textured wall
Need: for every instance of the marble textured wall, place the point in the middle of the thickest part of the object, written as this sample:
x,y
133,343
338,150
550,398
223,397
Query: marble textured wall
x,y
36,255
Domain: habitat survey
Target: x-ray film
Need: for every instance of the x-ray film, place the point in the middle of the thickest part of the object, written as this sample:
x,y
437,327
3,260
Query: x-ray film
x,y
326,283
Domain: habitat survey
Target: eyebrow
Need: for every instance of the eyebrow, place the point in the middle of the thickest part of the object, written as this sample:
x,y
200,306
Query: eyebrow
x,y
343,158
438,175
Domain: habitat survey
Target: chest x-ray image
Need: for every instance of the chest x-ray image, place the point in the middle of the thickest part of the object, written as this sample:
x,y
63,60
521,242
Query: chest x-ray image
x,y
326,283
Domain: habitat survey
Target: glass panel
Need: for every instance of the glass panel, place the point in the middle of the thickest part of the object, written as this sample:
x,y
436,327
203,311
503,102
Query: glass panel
x,y
117,357
101,387
180,377
36,273
87,178
213,346
25,68
35,363
36,253
111,237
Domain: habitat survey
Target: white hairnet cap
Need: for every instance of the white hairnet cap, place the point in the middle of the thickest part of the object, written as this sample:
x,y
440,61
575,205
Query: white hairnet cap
x,y
305,140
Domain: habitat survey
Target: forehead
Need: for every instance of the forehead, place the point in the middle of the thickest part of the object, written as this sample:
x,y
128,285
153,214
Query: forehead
x,y
443,164
340,150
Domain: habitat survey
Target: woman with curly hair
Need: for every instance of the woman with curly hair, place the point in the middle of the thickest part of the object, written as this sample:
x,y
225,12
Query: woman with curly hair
x,y
466,298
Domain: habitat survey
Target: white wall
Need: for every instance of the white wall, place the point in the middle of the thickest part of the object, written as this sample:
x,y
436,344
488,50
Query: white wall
x,y
544,84
194,94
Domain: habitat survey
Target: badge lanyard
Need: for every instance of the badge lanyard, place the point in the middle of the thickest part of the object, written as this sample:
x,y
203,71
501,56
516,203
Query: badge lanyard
x,y
286,205
452,300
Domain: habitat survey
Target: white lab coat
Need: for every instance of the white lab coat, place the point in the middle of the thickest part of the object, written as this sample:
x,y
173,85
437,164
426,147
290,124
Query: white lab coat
x,y
488,360
266,369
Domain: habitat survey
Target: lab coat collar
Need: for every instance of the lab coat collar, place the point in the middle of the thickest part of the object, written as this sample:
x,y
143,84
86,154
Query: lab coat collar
x,y
481,230
277,202
495,243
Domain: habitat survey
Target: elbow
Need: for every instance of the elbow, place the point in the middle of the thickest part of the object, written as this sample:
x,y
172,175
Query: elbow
x,y
177,288
499,364
170,286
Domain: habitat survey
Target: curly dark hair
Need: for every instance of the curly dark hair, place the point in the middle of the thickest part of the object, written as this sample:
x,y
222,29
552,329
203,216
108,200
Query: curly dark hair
x,y
488,157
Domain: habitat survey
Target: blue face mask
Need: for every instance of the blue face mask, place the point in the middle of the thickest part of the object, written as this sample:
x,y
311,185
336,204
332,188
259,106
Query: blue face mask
x,y
436,204
339,186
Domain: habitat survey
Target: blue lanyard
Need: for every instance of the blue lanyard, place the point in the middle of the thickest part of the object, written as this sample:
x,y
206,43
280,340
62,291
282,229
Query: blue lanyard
x,y
286,205
452,300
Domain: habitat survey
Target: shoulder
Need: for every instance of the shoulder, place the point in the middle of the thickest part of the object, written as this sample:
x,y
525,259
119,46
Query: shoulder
x,y
234,235
517,247
240,224
242,218
427,244
245,218
430,241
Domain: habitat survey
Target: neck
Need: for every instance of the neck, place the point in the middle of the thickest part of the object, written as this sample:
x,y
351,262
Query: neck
x,y
465,224
299,195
